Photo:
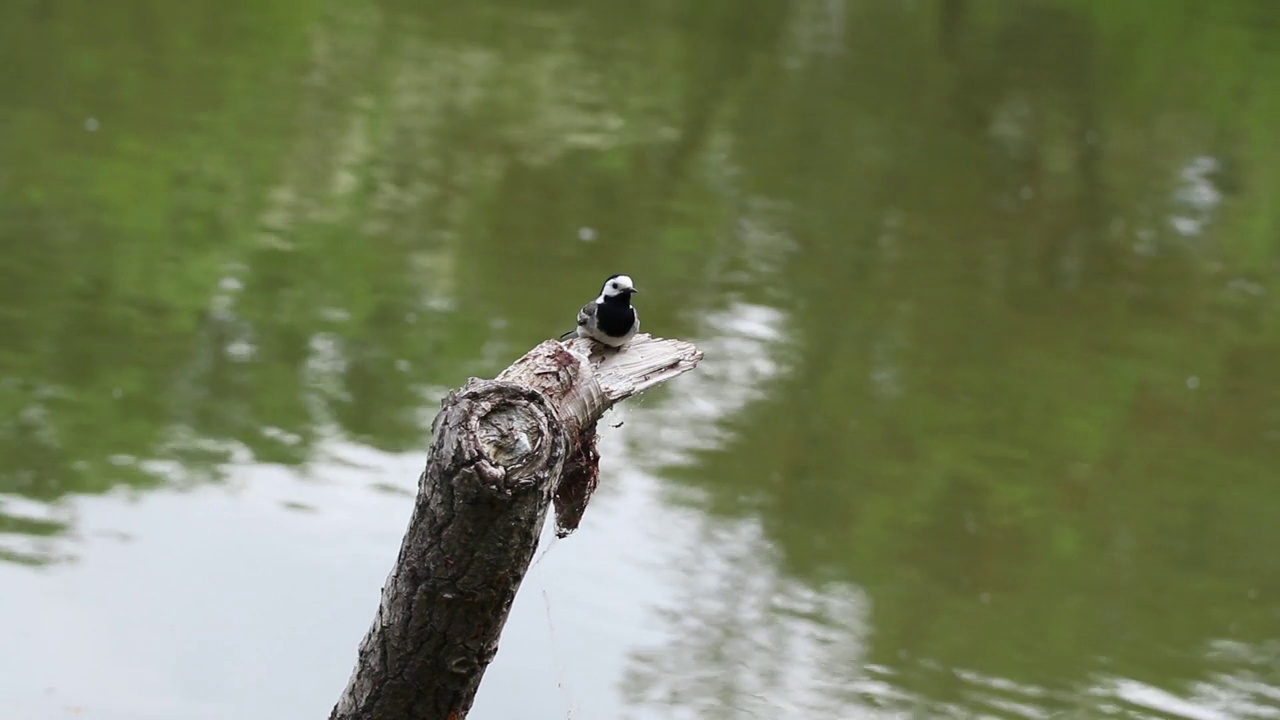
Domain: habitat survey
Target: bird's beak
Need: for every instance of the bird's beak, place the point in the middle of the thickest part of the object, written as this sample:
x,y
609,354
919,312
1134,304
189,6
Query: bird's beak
x,y
633,291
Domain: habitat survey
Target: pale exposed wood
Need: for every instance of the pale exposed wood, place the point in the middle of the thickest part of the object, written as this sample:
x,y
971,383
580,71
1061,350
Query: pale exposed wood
x,y
501,450
594,377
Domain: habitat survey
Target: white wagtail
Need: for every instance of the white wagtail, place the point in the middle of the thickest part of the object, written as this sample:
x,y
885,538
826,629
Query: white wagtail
x,y
609,319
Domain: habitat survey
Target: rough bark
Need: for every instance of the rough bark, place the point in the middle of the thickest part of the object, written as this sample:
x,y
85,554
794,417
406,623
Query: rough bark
x,y
501,450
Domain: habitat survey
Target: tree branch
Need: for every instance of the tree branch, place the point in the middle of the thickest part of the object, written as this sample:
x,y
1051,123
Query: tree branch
x,y
501,450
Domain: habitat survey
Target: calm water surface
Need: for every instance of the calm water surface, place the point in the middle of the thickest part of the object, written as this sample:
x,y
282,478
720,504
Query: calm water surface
x,y
989,424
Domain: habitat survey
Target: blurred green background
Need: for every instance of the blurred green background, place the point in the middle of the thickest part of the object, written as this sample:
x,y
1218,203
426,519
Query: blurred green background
x,y
989,423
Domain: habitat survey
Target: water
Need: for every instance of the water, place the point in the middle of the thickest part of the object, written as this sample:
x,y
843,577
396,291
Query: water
x,y
989,424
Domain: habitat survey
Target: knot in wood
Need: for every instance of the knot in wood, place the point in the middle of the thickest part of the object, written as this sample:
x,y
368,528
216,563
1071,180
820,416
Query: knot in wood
x,y
509,434
463,665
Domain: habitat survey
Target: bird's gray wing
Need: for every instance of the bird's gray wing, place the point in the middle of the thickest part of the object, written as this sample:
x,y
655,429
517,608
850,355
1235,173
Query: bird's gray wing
x,y
585,316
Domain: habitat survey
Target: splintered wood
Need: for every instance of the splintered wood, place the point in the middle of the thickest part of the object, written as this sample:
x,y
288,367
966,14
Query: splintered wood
x,y
583,379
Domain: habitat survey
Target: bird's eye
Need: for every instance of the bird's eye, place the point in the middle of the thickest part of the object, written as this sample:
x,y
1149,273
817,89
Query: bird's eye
x,y
613,285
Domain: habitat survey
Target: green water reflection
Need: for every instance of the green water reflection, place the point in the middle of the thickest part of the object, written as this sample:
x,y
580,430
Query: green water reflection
x,y
1025,253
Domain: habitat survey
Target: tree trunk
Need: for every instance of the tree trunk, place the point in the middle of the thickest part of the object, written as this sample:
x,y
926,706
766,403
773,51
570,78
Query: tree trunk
x,y
500,451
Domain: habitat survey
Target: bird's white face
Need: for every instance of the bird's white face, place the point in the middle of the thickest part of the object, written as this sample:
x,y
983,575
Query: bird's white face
x,y
617,286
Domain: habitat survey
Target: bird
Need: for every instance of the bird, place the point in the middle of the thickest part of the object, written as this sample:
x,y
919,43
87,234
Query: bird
x,y
609,319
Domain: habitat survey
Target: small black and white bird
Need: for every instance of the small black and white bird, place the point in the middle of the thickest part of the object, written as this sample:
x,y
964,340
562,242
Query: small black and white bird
x,y
609,319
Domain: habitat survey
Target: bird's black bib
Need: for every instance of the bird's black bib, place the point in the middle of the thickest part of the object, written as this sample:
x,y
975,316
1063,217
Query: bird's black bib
x,y
615,316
